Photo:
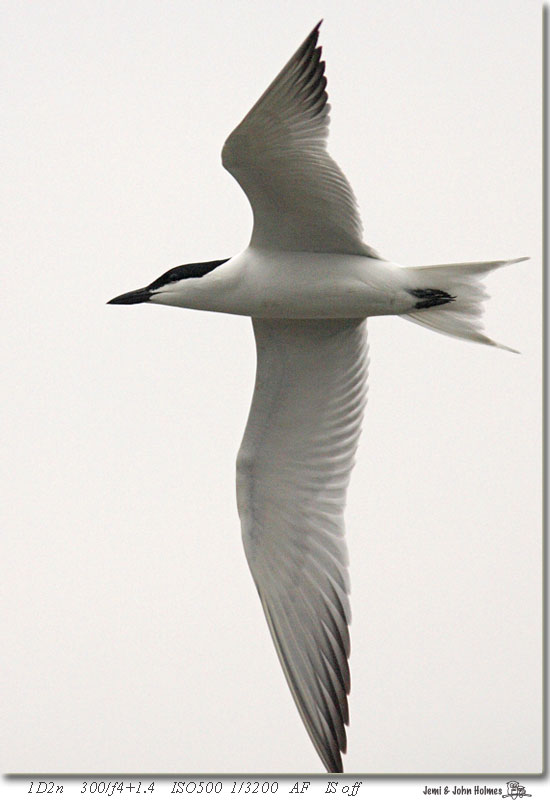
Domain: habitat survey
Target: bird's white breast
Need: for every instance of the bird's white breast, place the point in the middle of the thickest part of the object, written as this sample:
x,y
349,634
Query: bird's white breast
x,y
295,285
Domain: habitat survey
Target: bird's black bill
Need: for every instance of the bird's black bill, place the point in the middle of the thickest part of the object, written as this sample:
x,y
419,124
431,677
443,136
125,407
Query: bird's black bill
x,y
128,299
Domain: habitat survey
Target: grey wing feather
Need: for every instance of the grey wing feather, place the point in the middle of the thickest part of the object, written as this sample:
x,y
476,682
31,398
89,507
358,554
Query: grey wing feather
x,y
300,197
293,471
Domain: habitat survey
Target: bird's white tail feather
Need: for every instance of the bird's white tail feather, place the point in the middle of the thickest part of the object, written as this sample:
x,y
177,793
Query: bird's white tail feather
x,y
461,316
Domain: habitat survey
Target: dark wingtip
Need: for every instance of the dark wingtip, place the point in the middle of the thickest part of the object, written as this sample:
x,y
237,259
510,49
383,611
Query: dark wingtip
x,y
336,765
310,42
314,35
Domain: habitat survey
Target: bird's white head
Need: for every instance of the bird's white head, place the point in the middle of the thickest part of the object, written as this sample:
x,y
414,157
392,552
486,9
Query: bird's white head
x,y
171,288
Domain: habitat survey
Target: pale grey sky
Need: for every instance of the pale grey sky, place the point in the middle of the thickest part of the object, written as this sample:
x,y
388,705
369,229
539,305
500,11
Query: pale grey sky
x,y
135,638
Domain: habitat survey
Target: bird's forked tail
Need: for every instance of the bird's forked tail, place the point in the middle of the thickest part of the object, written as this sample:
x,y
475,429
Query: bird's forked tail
x,y
450,297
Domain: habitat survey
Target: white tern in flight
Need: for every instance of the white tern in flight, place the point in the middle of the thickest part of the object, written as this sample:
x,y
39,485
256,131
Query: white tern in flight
x,y
308,281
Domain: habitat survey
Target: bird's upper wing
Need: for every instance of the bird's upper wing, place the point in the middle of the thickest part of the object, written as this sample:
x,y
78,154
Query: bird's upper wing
x,y
293,470
300,197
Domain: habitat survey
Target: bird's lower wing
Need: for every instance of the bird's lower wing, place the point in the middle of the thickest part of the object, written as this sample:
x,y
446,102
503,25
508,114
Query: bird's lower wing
x,y
293,471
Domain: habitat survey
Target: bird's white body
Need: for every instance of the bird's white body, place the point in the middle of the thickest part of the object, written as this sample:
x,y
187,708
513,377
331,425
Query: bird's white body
x,y
296,285
308,281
